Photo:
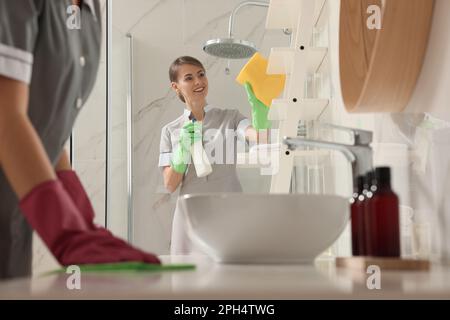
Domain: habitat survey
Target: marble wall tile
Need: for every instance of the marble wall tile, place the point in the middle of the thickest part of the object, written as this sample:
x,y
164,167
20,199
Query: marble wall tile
x,y
92,176
126,14
43,260
89,133
118,199
431,94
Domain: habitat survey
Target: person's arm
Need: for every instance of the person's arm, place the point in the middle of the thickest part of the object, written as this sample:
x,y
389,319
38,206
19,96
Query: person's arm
x,y
63,163
174,162
260,137
22,155
172,179
42,199
260,129
74,187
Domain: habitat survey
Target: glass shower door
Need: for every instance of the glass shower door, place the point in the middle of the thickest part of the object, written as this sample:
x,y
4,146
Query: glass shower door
x,y
119,134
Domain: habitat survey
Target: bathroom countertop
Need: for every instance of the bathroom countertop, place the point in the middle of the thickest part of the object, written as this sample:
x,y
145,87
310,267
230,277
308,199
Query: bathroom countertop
x,y
216,281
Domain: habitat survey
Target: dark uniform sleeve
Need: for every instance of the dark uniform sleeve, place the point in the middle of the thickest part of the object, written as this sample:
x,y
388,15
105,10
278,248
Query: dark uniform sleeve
x,y
18,33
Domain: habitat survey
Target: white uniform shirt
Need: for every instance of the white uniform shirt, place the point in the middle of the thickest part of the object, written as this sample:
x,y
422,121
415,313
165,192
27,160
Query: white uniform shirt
x,y
223,130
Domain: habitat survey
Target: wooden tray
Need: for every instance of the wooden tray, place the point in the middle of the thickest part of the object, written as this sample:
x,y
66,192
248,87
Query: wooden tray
x,y
362,263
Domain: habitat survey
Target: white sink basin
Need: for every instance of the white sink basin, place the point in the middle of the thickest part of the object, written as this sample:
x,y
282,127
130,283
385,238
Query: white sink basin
x,y
264,228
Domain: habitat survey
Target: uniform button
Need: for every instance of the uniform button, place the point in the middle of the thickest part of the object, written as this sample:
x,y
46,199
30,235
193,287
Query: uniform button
x,y
82,61
79,103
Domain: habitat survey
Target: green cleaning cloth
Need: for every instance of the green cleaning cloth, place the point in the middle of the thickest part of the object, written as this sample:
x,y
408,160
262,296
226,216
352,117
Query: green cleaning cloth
x,y
128,267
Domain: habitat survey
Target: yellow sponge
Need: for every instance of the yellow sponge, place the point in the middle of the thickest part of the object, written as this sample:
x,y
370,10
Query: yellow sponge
x,y
265,86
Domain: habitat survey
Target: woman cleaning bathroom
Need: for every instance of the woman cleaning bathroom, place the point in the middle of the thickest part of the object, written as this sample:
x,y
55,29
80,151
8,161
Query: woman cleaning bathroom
x,y
44,81
211,125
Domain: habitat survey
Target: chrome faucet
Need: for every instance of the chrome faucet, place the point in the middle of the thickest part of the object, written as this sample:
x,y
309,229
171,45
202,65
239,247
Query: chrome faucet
x,y
359,154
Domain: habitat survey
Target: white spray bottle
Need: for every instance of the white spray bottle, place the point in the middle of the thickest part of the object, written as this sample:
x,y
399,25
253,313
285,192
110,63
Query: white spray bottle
x,y
199,157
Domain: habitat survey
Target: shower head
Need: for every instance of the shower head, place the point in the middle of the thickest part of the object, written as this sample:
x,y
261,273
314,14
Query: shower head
x,y
229,48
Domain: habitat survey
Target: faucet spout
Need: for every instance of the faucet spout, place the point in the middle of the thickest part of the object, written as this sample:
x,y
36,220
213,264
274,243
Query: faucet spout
x,y
295,143
359,154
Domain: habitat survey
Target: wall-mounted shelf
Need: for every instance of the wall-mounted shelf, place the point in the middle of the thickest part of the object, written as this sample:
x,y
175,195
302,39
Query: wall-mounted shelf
x,y
264,159
281,60
307,109
301,62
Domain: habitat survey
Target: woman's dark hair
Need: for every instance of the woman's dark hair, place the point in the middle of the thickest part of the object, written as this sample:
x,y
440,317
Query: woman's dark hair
x,y
173,70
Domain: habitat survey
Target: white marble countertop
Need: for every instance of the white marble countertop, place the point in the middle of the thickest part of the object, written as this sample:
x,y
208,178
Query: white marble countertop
x,y
217,281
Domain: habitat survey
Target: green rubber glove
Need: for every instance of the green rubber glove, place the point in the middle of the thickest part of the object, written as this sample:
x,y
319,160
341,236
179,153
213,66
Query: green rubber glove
x,y
259,110
190,133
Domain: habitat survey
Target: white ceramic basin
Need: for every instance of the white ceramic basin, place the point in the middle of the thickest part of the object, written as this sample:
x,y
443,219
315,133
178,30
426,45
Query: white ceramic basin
x,y
264,228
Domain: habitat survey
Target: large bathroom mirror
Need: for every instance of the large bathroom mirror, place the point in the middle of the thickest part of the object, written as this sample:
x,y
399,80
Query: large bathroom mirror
x,y
143,38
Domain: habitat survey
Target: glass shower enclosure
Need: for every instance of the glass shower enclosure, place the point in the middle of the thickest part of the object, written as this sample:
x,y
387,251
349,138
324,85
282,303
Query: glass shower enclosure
x,y
119,154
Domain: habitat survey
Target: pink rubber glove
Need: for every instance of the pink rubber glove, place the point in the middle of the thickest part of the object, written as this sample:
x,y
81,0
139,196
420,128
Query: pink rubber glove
x,y
52,213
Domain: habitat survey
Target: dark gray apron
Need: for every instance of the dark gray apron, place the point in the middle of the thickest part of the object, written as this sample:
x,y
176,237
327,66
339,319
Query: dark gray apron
x,y
65,63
